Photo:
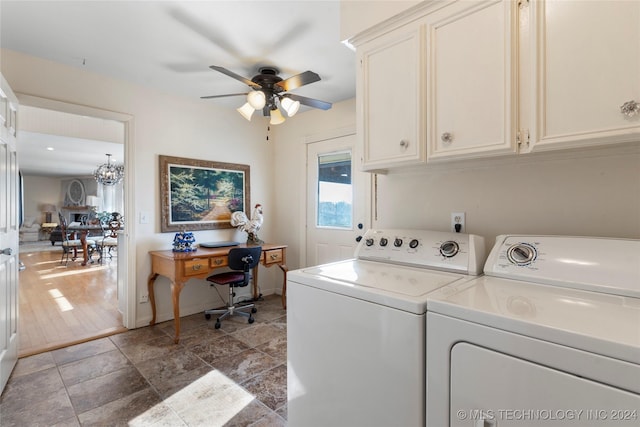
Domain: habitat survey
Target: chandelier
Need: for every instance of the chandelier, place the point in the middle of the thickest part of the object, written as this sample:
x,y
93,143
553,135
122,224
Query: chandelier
x,y
109,173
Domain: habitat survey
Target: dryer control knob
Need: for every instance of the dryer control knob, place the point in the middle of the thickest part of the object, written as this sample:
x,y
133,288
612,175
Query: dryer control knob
x,y
384,241
369,242
414,243
449,248
398,242
522,254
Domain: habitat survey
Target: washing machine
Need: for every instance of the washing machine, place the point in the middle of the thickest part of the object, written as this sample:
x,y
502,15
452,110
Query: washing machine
x,y
356,328
549,336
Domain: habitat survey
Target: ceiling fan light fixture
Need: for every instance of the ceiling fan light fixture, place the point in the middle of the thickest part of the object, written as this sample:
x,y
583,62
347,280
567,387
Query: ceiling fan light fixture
x,y
276,117
246,111
257,99
290,106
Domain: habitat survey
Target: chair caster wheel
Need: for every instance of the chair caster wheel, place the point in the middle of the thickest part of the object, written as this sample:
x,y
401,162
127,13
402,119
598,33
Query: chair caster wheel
x,y
207,316
251,320
217,326
254,310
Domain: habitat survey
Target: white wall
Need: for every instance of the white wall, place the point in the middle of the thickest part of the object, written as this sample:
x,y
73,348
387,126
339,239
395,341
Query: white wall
x,y
588,193
359,15
169,125
38,191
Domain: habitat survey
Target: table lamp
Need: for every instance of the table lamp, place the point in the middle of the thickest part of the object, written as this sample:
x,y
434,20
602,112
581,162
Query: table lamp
x,y
48,209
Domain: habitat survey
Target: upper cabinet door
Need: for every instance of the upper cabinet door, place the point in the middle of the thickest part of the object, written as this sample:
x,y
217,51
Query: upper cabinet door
x,y
472,74
389,99
585,67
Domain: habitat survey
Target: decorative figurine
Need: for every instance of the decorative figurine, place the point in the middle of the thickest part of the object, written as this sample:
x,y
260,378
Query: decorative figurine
x,y
184,242
240,220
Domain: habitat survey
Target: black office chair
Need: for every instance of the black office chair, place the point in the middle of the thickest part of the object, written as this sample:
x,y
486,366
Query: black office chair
x,y
241,261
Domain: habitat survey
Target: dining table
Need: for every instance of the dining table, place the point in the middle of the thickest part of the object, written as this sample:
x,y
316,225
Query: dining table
x,y
83,231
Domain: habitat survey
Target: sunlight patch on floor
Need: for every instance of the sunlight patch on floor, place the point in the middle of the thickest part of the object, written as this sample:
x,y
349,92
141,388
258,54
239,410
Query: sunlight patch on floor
x,y
212,400
59,298
73,272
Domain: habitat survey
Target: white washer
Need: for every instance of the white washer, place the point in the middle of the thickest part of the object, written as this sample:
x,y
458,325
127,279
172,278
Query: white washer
x,y
550,335
356,328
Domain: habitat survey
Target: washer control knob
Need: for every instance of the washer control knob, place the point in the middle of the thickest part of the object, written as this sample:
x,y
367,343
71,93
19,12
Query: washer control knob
x,y
398,242
369,242
521,254
449,248
414,243
383,241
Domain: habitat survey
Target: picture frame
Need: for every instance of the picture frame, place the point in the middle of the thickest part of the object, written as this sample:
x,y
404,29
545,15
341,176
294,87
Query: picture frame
x,y
200,194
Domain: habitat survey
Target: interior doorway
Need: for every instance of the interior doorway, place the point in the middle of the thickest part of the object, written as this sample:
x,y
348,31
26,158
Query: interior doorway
x,y
116,279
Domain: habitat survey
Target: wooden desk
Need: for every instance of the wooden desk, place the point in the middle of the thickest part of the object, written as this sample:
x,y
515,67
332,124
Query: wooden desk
x,y
182,266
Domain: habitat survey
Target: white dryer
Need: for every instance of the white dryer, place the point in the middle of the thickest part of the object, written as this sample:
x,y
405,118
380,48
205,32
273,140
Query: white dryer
x,y
356,328
550,335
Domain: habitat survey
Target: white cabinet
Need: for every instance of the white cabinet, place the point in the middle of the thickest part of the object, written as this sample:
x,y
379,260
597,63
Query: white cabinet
x,y
585,64
465,79
471,73
390,102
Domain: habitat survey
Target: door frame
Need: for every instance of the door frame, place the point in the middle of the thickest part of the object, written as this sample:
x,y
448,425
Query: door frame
x,y
128,307
304,207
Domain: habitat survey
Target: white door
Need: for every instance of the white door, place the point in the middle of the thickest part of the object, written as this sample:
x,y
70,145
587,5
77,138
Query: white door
x,y
9,223
336,197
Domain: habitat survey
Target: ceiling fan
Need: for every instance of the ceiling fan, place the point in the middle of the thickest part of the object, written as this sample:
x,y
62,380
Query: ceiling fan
x,y
269,92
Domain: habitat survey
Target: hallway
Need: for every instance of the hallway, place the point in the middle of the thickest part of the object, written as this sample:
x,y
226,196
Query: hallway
x,y
60,306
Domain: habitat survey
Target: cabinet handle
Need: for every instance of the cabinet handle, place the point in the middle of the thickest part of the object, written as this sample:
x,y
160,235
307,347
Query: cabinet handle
x,y
630,108
196,267
446,137
274,256
217,261
404,144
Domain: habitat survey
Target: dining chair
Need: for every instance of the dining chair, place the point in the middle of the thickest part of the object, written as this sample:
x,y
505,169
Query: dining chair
x,y
70,242
109,239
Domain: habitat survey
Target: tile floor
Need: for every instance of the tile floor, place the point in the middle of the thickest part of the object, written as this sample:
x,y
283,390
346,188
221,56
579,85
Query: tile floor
x,y
233,376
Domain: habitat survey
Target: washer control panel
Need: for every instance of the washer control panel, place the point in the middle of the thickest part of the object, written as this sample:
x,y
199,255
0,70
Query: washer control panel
x,y
424,248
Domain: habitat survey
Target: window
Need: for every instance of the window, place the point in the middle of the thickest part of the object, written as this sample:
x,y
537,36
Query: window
x,y
335,191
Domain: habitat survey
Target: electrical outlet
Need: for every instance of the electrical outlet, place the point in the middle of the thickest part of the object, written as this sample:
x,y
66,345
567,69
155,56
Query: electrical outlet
x,y
144,298
457,218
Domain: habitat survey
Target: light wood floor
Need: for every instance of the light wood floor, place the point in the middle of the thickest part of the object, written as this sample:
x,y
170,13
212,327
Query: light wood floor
x,y
61,306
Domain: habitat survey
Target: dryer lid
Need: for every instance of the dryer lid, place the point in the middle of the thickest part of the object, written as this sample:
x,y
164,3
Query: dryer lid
x,y
595,264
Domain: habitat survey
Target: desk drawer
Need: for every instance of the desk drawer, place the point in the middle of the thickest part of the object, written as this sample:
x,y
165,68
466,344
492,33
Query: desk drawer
x,y
218,261
273,256
194,267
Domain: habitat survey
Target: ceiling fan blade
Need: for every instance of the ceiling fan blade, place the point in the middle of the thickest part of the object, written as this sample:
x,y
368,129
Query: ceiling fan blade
x,y
298,80
222,96
236,76
315,103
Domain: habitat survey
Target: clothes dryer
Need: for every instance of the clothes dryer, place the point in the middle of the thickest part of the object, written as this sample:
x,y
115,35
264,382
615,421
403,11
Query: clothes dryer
x,y
550,335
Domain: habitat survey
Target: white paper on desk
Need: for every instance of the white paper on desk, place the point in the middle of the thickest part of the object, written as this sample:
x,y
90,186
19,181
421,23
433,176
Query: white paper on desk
x,y
75,224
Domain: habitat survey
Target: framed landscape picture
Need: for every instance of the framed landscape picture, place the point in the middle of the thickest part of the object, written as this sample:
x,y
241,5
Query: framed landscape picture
x,y
200,194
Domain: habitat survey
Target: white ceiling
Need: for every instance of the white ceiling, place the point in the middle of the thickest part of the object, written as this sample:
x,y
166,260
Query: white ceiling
x,y
169,45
